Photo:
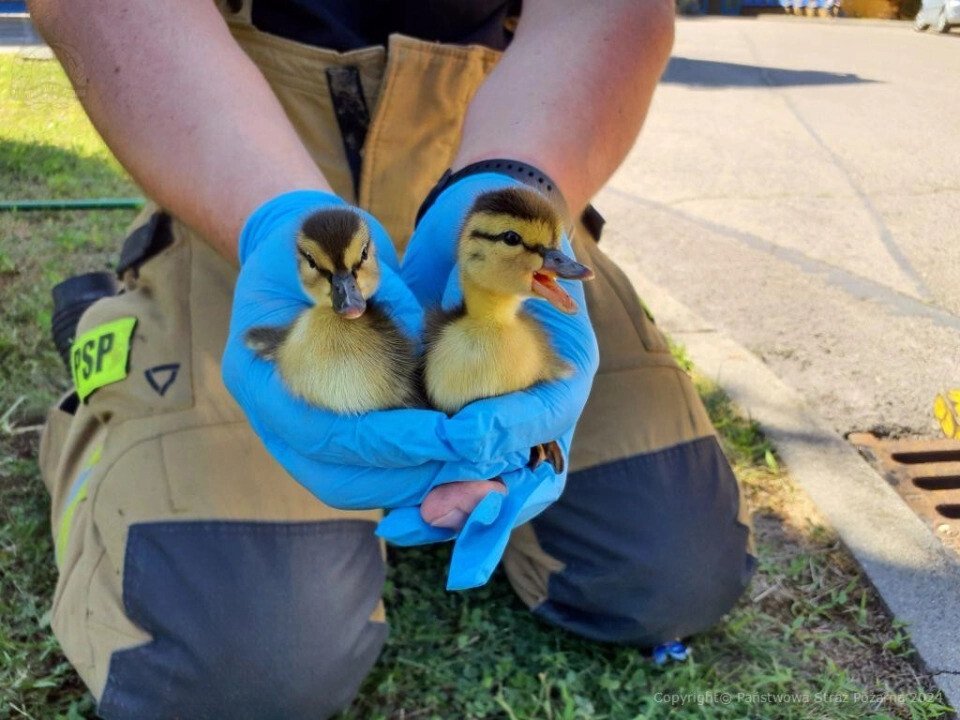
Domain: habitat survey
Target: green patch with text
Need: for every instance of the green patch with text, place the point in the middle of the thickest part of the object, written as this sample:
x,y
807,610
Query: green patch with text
x,y
99,356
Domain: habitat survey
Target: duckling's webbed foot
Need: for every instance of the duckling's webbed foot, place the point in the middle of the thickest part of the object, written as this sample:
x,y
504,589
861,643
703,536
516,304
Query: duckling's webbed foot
x,y
547,452
265,341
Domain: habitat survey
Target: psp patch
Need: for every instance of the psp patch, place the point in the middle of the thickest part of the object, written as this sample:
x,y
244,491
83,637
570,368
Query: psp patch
x,y
100,356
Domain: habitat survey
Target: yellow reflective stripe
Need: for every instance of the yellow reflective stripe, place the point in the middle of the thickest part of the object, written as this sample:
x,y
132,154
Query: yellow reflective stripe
x,y
66,520
99,356
77,493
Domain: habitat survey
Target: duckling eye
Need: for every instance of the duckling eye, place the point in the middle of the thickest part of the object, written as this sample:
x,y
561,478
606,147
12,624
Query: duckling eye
x,y
309,260
365,254
511,238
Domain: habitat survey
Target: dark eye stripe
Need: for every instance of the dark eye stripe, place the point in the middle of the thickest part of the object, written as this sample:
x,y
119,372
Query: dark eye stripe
x,y
364,255
499,238
306,257
313,265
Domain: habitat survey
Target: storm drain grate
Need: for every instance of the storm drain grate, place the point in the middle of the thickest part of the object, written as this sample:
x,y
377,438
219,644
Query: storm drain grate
x,y
926,474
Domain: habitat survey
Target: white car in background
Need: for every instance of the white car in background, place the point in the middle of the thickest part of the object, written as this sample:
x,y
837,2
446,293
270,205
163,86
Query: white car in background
x,y
941,14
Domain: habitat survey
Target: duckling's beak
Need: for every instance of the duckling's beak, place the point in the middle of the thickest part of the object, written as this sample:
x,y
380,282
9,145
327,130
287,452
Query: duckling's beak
x,y
556,264
346,297
563,266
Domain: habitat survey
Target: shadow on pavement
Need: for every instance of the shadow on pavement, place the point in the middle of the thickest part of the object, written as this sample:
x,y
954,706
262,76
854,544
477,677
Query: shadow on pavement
x,y
713,74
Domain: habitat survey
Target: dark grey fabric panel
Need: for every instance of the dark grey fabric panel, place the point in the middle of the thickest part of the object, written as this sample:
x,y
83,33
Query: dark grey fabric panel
x,y
251,620
651,544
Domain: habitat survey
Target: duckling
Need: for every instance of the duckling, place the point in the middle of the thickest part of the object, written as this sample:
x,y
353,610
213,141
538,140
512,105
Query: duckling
x,y
508,251
344,352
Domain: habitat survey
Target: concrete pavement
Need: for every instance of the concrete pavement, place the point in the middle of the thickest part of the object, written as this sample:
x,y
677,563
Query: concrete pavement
x,y
798,185
917,577
796,192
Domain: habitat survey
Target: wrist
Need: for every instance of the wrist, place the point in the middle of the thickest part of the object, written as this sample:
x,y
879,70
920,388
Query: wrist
x,y
431,254
509,169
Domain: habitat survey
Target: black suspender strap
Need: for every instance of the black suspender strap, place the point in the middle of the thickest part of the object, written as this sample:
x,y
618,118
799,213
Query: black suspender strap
x,y
353,117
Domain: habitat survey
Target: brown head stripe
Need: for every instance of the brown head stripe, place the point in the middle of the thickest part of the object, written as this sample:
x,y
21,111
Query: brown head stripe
x,y
521,203
332,229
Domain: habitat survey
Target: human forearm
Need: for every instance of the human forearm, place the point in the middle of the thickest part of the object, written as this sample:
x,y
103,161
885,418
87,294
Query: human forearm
x,y
180,105
572,90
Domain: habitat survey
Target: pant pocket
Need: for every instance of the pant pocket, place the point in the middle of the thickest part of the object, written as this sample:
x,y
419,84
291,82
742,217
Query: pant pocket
x,y
224,472
170,468
158,378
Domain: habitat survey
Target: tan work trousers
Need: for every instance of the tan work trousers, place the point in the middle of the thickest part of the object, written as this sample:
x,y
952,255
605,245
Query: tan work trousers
x,y
197,579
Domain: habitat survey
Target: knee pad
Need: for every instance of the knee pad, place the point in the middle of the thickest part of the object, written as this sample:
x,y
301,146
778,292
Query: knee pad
x,y
651,547
249,620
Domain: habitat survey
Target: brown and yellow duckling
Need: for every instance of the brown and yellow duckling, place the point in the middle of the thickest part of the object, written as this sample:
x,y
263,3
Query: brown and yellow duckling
x,y
508,251
344,353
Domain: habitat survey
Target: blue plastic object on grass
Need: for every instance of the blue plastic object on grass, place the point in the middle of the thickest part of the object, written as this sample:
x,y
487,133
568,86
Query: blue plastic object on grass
x,y
676,651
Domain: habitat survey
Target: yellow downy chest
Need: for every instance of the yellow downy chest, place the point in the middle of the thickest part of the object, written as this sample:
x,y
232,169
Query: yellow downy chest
x,y
342,365
472,359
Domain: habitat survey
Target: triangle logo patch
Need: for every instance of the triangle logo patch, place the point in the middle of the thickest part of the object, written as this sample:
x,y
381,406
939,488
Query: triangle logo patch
x,y
161,377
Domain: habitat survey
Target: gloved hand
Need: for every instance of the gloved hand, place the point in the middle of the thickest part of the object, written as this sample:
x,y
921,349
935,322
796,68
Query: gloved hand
x,y
379,459
502,426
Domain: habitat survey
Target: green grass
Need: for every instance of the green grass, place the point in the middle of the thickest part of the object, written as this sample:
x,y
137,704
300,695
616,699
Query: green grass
x,y
810,627
48,149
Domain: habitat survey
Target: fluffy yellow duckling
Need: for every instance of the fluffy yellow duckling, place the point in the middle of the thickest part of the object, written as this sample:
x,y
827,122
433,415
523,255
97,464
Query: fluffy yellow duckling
x,y
508,251
343,353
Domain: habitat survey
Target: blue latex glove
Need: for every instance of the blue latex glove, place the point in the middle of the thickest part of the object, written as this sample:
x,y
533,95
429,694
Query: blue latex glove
x,y
381,459
498,426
